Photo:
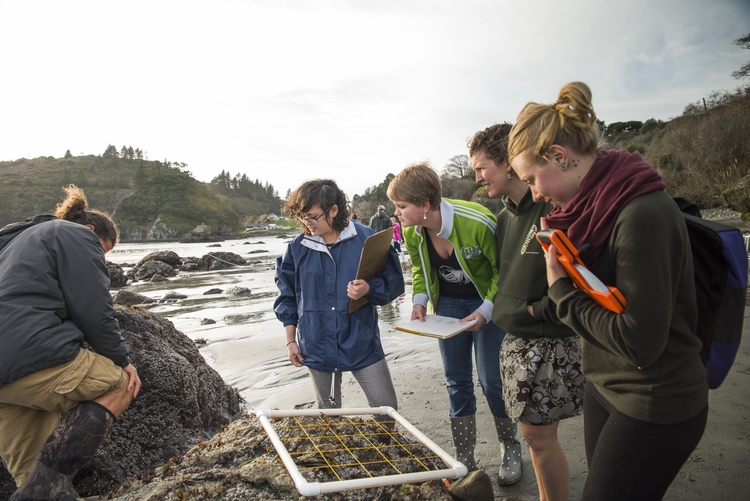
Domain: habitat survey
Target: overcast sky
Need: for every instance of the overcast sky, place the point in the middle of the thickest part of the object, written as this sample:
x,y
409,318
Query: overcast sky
x,y
286,91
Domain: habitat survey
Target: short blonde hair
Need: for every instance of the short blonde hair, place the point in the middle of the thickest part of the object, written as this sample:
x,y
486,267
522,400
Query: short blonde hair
x,y
569,122
418,183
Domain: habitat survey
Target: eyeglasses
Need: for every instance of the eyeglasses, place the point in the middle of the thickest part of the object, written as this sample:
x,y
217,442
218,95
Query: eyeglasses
x,y
312,219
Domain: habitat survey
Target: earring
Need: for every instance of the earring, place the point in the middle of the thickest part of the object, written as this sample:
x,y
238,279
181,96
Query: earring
x,y
510,175
424,216
563,166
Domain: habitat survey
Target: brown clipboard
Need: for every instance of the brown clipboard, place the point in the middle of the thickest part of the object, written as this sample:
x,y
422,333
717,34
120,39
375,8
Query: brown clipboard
x,y
373,260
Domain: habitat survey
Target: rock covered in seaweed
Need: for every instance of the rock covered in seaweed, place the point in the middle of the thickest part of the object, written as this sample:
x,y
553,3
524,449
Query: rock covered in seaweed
x,y
169,257
220,261
182,401
240,463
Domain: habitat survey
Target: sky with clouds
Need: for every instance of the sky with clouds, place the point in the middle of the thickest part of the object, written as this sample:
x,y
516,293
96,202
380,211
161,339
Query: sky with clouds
x,y
289,90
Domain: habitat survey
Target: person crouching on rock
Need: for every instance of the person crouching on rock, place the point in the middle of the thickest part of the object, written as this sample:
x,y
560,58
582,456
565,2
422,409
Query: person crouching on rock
x,y
316,278
54,288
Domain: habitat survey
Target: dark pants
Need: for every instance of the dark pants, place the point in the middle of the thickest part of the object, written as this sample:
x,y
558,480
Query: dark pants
x,y
630,459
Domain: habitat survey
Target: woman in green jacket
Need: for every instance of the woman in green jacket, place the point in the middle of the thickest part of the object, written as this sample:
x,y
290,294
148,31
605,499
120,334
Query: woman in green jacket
x,y
452,248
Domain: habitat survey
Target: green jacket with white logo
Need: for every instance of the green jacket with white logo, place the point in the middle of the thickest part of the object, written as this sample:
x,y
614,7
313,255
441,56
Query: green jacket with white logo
x,y
471,229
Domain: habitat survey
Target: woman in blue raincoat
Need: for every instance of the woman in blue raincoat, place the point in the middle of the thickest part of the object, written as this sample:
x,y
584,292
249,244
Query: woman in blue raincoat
x,y
316,280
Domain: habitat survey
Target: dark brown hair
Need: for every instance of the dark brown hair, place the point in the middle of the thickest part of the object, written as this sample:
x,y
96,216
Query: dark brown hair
x,y
493,141
324,193
74,209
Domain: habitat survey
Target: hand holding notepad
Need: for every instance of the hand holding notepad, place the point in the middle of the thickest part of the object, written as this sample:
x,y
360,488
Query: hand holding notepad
x,y
435,326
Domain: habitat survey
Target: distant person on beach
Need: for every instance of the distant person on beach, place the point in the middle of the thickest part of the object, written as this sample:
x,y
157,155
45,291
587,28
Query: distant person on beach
x,y
316,281
540,358
453,251
380,221
54,288
645,405
397,238
355,217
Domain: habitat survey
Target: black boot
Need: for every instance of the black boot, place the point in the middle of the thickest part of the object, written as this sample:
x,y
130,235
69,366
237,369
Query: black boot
x,y
71,445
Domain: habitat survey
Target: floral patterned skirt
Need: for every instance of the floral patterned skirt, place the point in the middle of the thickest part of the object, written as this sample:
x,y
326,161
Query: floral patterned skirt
x,y
542,379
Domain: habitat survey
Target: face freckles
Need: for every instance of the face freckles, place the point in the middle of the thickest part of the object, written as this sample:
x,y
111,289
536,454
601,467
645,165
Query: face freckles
x,y
492,176
547,180
408,213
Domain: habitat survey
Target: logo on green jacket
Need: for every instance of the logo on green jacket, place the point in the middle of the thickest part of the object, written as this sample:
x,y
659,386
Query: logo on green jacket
x,y
470,252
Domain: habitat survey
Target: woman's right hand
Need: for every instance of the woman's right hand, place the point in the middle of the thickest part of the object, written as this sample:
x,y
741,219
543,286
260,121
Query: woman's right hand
x,y
295,357
418,312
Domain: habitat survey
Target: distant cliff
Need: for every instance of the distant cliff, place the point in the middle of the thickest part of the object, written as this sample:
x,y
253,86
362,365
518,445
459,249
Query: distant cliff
x,y
149,200
167,203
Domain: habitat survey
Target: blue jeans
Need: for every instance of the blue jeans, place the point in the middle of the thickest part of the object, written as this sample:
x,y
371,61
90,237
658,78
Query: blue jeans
x,y
456,354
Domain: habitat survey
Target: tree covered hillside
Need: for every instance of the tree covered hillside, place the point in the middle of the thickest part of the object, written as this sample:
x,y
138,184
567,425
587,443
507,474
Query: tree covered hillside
x,y
147,199
34,186
167,203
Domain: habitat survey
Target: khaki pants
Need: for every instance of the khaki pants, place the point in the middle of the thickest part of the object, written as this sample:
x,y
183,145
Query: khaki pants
x,y
30,407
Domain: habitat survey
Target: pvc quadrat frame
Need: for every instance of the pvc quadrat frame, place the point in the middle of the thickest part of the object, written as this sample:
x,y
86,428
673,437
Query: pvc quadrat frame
x,y
455,468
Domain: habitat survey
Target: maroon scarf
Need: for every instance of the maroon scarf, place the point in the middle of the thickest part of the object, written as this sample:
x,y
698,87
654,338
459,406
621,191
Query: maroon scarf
x,y
615,178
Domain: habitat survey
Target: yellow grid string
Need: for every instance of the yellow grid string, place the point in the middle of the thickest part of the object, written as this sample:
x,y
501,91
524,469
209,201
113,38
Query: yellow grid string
x,y
316,447
327,426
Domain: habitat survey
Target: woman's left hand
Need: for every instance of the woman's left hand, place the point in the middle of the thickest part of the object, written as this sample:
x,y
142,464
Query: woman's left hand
x,y
475,316
555,270
357,289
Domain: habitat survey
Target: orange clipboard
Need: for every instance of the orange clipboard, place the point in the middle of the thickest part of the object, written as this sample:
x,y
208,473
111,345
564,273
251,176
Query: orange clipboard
x,y
608,297
373,260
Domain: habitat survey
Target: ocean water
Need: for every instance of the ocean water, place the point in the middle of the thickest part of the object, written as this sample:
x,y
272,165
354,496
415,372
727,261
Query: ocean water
x,y
252,355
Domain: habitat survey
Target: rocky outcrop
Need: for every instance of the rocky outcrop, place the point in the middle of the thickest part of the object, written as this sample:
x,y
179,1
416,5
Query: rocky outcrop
x,y
128,298
182,401
239,463
169,257
117,276
220,261
152,268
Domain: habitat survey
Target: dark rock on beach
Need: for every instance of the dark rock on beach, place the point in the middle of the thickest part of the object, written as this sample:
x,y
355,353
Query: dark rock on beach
x,y
169,257
189,264
117,277
213,291
172,295
238,291
220,261
182,401
151,268
207,321
128,298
